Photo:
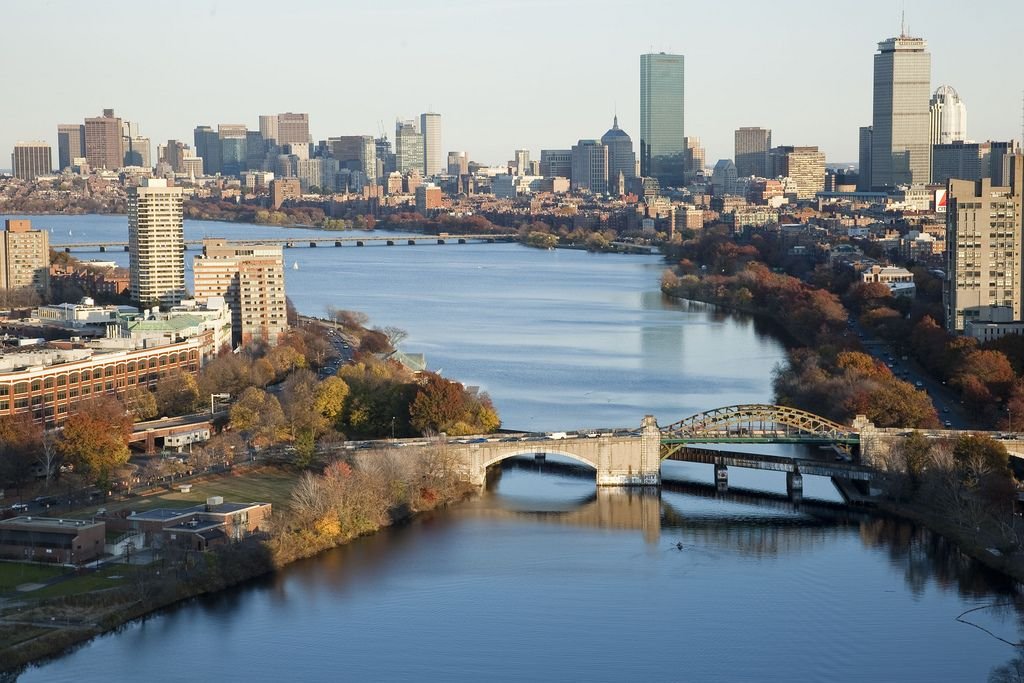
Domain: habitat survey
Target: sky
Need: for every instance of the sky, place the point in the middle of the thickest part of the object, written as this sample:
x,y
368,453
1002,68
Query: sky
x,y
505,75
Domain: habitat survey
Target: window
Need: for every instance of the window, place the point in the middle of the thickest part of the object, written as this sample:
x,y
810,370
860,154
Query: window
x,y
86,375
5,389
73,378
48,383
36,385
21,388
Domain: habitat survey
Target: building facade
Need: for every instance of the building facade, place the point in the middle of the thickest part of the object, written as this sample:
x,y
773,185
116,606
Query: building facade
x,y
24,257
430,129
31,160
662,136
621,157
250,278
292,129
104,144
752,149
589,167
556,163
900,145
804,166
864,159
156,244
409,154
948,117
983,248
70,144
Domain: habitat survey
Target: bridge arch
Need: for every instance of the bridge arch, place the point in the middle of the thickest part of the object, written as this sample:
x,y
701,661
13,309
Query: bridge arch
x,y
526,451
756,419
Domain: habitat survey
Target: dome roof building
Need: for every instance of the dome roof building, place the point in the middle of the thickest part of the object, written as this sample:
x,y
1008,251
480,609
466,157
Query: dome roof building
x,y
621,158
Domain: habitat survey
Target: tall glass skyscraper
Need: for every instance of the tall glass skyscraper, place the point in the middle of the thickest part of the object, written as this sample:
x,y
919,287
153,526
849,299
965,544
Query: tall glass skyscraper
x,y
662,144
900,146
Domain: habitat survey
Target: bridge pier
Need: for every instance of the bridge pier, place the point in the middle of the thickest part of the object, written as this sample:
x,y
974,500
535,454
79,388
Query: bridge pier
x,y
795,484
721,477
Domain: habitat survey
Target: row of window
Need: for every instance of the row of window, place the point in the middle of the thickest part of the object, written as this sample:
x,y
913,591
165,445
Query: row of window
x,y
86,375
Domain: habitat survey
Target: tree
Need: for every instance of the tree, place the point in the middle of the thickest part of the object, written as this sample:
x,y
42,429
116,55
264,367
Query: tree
x,y
177,393
258,415
95,438
438,406
914,451
330,398
395,335
140,402
21,441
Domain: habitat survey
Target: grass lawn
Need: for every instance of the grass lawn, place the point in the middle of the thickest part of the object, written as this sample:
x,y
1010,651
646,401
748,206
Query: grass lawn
x,y
107,577
13,574
261,485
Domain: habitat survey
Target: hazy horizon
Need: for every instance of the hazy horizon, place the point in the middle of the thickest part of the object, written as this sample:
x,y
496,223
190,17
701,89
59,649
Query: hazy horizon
x,y
534,74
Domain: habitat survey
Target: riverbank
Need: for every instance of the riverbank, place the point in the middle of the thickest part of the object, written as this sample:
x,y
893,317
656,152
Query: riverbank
x,y
27,628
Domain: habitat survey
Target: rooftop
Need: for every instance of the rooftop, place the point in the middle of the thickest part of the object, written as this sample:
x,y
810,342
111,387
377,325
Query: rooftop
x,y
48,523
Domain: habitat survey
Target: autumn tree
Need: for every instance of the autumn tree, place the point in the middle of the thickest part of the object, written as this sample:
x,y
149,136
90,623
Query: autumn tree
x,y
140,402
95,438
258,415
177,393
21,443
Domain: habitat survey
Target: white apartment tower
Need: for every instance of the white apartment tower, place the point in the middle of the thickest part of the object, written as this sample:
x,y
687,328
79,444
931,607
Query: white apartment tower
x,y
430,128
156,243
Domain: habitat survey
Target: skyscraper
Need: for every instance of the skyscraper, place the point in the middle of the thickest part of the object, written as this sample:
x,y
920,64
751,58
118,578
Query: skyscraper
x,y
522,161
292,129
356,153
430,129
900,147
31,160
662,145
156,243
983,256
694,159
408,148
70,144
207,142
752,152
268,127
104,144
805,168
234,155
948,116
138,152
590,167
458,163
621,158
865,143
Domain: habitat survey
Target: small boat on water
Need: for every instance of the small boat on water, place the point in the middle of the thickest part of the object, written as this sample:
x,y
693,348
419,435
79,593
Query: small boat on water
x,y
295,265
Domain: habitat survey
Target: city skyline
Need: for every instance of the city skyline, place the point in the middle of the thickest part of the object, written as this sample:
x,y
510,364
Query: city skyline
x,y
517,102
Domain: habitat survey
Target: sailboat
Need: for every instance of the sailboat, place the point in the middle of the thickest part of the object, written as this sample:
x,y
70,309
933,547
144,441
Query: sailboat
x,y
295,265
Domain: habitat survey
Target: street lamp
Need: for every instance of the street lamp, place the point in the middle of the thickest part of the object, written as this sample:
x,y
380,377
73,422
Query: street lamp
x,y
392,427
216,396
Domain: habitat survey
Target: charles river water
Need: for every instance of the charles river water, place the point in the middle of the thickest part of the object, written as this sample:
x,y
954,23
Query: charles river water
x,y
541,578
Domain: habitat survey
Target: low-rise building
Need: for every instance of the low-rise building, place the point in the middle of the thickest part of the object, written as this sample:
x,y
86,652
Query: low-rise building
x,y
48,539
200,526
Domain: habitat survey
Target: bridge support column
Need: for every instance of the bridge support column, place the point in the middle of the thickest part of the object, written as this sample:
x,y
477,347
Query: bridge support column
x,y
636,465
721,477
795,485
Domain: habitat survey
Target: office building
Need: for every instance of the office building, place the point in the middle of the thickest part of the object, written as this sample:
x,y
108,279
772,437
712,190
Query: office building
x,y
589,171
948,117
458,163
983,254
430,129
29,160
250,278
268,128
694,160
753,147
284,189
900,129
138,152
556,163
805,168
621,157
521,161
24,257
70,144
428,199
104,144
864,143
207,145
156,244
256,150
408,148
662,136
234,155
356,153
292,129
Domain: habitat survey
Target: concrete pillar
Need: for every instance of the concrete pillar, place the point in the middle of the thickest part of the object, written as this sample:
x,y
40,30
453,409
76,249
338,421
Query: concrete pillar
x,y
721,477
795,484
650,452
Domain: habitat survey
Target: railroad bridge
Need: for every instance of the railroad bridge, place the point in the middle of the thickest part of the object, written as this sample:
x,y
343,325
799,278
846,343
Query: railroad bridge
x,y
634,458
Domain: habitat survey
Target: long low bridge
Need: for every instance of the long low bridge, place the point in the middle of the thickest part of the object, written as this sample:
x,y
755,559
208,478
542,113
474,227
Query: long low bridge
x,y
290,242
625,458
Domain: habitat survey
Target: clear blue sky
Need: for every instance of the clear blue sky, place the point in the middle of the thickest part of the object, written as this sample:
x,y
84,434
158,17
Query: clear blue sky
x,y
511,74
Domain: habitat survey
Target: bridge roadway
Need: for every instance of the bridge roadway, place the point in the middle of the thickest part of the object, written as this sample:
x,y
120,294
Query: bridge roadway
x,y
290,242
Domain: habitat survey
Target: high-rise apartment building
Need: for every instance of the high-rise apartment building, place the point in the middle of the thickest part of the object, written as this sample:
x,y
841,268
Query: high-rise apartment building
x,y
31,160
430,129
24,257
753,148
70,144
805,168
662,136
589,167
207,142
983,248
948,117
408,148
156,243
458,163
621,157
900,146
864,145
104,144
292,129
250,277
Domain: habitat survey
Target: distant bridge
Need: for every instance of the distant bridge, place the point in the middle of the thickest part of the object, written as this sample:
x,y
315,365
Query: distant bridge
x,y
290,242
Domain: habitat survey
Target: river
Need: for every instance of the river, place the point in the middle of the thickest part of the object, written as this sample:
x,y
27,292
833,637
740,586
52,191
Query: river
x,y
544,578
